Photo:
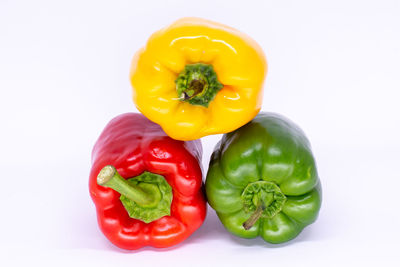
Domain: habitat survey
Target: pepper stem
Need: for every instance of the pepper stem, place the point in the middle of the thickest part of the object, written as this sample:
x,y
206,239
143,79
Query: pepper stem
x,y
266,198
254,217
197,84
109,177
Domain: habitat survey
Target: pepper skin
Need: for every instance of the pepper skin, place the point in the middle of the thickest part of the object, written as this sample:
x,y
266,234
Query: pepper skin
x,y
135,145
194,75
262,180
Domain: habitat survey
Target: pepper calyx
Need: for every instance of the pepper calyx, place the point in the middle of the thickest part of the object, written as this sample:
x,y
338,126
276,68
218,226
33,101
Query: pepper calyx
x,y
263,199
146,197
198,84
161,191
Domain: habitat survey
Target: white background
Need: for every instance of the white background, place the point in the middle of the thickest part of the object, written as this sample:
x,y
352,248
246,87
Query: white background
x,y
334,69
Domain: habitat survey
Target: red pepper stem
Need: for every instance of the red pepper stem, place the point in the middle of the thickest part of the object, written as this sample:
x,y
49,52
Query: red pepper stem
x,y
109,177
254,217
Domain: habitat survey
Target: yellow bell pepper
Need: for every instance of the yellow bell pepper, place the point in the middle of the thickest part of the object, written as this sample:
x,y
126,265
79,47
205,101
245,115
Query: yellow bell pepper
x,y
197,78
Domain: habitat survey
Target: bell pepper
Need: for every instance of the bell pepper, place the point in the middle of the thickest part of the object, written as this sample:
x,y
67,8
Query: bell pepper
x,y
147,187
262,180
195,74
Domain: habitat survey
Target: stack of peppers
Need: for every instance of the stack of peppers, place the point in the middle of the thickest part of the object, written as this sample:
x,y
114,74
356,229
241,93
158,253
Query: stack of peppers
x,y
196,78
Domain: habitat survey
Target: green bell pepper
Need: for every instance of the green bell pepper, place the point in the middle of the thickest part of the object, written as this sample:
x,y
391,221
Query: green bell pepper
x,y
262,180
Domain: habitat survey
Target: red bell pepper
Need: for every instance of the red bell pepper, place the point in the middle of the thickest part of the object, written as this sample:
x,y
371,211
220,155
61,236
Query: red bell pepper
x,y
160,201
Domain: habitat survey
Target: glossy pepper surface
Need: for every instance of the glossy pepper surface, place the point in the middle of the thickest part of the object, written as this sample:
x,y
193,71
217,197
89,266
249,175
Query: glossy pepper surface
x,y
263,181
194,75
161,201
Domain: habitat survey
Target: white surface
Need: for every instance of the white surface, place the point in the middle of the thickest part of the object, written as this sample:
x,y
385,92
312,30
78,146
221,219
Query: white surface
x,y
333,69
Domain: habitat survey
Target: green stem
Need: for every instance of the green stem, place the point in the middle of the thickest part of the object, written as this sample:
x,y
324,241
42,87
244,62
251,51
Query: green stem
x,y
109,177
254,217
198,84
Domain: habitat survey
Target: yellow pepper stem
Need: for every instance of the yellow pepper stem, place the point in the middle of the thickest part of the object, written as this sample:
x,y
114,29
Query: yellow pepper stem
x,y
198,84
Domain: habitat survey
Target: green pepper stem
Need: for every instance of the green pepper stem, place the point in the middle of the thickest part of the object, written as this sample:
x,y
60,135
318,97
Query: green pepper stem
x,y
109,177
254,217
